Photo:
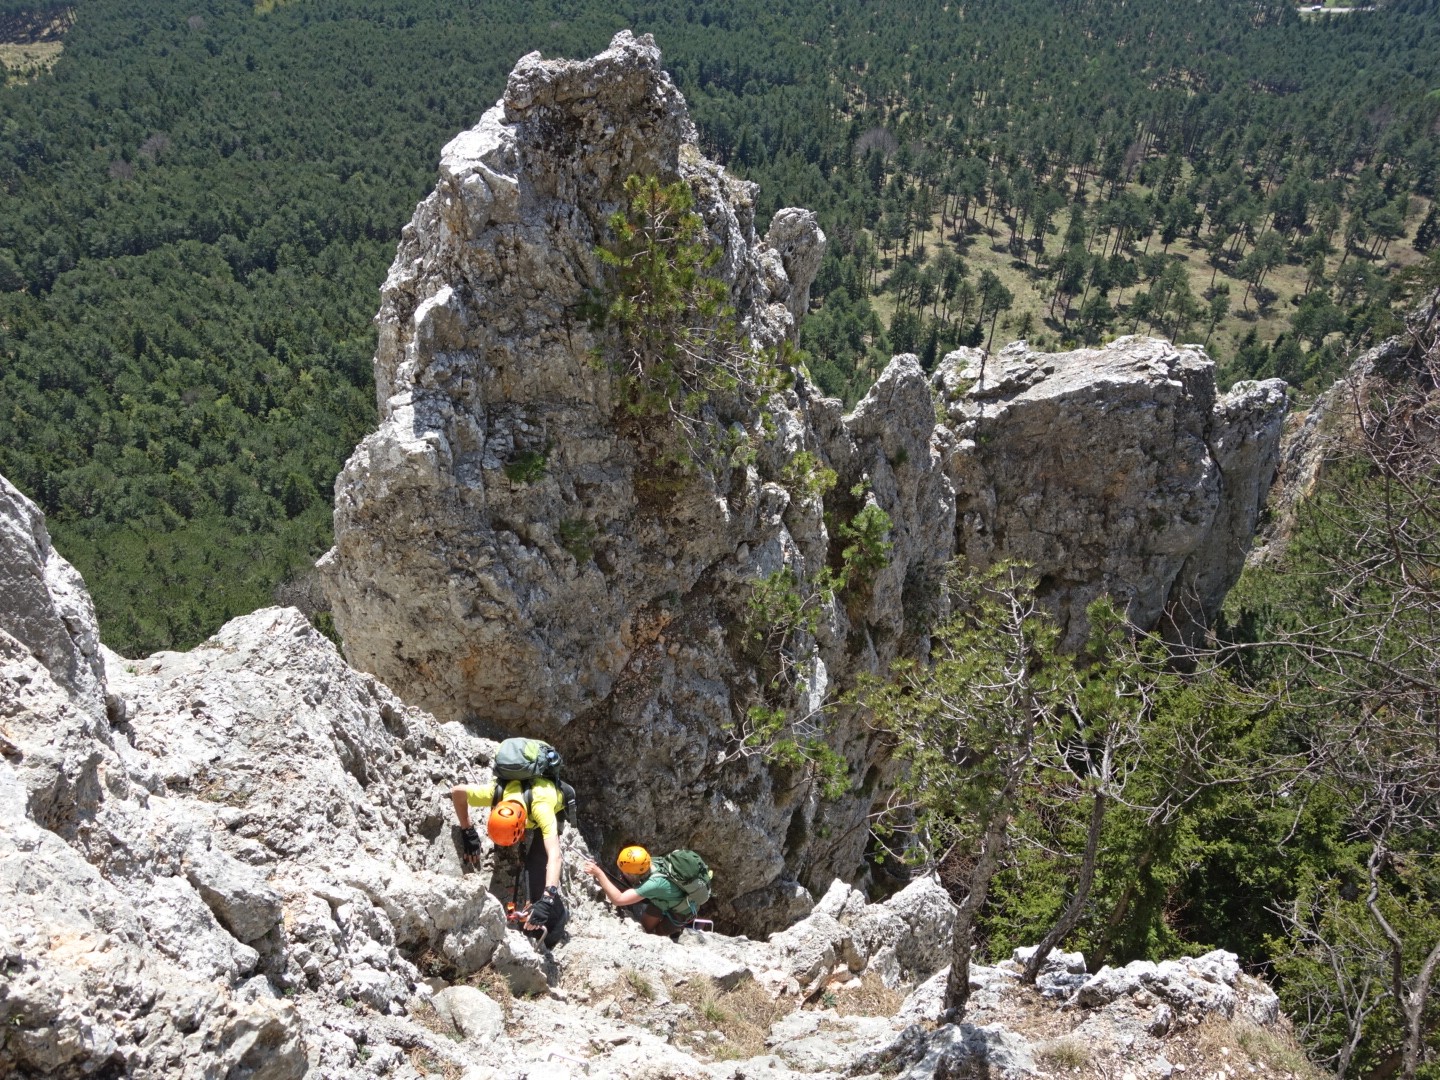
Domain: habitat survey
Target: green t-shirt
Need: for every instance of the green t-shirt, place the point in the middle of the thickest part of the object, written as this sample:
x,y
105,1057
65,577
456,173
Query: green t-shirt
x,y
663,893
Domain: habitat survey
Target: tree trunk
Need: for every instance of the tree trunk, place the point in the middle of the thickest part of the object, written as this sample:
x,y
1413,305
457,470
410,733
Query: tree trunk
x,y
957,984
1071,915
1411,1005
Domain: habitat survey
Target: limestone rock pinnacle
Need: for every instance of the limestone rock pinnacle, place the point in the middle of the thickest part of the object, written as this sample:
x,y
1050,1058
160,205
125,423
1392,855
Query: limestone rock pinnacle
x,y
506,556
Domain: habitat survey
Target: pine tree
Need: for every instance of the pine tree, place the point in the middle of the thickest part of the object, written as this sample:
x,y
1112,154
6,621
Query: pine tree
x,y
1428,233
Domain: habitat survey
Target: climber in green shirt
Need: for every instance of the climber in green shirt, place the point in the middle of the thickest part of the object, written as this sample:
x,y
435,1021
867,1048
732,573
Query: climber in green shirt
x,y
663,907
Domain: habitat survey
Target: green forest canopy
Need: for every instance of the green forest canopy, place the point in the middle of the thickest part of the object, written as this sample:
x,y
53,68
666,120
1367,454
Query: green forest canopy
x,y
198,204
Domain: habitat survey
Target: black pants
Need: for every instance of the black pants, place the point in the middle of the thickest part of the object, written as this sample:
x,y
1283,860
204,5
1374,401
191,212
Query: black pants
x,y
535,861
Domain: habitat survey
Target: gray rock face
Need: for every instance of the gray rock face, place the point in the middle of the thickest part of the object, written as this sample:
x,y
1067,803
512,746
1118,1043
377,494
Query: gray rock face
x,y
250,875
504,557
259,820
1245,440
110,961
1111,471
958,1049
483,360
1325,432
48,610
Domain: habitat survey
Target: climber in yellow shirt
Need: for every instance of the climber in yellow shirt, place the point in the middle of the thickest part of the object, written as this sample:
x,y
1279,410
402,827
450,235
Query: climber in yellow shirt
x,y
518,809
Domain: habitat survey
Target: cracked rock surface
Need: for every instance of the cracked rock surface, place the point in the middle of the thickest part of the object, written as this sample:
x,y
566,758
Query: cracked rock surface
x,y
245,866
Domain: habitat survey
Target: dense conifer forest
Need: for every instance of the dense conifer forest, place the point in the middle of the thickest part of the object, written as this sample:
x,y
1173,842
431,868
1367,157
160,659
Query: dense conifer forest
x,y
198,202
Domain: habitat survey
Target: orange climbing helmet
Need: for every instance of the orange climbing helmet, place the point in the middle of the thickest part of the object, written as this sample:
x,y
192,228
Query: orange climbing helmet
x,y
506,824
634,860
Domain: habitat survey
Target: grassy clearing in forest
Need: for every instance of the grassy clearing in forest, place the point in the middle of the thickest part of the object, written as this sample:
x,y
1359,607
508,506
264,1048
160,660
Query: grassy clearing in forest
x,y
33,42
985,247
26,62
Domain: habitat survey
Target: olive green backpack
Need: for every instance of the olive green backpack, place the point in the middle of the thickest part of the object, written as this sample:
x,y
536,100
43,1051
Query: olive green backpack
x,y
686,870
527,760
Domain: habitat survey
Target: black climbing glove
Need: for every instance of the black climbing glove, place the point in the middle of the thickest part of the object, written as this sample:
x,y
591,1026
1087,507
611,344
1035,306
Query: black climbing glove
x,y
470,842
546,913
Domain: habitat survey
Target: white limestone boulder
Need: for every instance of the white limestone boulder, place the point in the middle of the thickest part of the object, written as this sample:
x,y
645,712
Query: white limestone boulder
x,y
907,938
474,1014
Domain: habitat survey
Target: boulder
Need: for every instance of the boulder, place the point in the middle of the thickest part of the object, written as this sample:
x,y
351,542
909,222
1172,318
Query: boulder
x,y
841,901
474,1015
1114,471
524,965
438,912
1193,987
958,1049
953,1050
810,949
907,938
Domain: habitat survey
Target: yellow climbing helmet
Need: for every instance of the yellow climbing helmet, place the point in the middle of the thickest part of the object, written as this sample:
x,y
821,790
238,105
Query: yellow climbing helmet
x,y
634,860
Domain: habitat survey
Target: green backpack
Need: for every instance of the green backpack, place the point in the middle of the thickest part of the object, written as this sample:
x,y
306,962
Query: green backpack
x,y
686,870
526,760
